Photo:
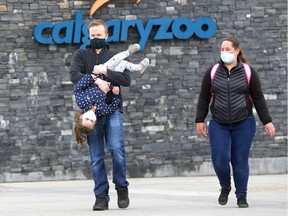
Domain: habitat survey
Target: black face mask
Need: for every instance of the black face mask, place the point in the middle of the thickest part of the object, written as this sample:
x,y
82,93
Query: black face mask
x,y
97,43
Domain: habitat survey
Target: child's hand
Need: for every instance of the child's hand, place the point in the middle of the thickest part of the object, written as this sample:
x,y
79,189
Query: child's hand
x,y
100,69
116,90
93,108
103,85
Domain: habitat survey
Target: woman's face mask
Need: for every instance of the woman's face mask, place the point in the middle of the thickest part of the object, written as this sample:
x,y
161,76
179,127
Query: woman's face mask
x,y
227,57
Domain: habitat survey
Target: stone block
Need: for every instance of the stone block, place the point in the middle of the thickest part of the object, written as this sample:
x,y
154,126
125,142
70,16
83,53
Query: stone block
x,y
3,8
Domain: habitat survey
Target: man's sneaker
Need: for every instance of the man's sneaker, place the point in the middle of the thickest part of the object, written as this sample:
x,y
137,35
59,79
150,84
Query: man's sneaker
x,y
242,202
101,203
145,63
223,198
133,48
123,199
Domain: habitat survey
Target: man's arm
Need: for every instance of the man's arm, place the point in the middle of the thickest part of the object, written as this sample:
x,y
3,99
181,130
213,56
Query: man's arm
x,y
76,68
118,78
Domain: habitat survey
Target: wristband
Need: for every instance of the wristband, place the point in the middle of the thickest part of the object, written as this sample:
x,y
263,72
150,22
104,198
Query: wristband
x,y
94,78
111,86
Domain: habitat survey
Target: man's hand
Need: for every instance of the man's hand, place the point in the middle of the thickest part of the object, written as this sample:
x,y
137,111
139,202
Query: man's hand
x,y
99,69
103,85
116,90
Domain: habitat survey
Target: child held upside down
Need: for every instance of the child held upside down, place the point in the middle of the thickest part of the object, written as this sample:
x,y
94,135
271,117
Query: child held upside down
x,y
92,101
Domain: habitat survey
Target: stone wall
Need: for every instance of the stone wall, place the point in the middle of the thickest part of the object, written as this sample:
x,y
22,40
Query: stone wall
x,y
36,95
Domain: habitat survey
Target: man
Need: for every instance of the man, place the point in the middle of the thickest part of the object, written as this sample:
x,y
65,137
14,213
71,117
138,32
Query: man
x,y
108,130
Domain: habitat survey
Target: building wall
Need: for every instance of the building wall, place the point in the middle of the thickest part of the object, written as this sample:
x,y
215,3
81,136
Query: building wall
x,y
36,95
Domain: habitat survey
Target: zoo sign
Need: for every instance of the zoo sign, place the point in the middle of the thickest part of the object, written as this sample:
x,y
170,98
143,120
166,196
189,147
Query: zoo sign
x,y
75,32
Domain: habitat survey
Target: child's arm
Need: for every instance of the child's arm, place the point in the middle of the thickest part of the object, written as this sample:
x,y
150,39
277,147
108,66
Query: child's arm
x,y
82,99
105,108
85,82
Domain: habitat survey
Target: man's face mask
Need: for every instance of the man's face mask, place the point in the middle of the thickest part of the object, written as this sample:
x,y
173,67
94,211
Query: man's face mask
x,y
97,43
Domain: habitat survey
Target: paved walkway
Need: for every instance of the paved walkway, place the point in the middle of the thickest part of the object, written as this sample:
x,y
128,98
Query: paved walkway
x,y
179,196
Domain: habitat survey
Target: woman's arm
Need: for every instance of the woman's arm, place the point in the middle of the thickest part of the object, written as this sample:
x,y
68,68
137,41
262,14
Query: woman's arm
x,y
204,98
258,98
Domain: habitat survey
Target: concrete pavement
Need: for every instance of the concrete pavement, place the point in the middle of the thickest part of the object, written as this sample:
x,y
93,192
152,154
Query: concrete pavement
x,y
169,196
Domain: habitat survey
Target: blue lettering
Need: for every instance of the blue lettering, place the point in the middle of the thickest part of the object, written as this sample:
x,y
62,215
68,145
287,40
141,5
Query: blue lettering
x,y
67,31
162,33
144,32
76,32
77,27
205,27
116,25
188,25
39,30
86,37
125,27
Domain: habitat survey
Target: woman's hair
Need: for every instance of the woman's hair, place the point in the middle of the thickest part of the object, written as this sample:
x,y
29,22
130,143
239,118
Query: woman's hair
x,y
80,131
98,22
236,44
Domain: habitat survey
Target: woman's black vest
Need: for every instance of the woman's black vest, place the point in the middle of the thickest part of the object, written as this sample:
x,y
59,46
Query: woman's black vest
x,y
230,95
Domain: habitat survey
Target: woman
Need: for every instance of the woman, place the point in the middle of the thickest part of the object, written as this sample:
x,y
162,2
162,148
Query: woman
x,y
232,127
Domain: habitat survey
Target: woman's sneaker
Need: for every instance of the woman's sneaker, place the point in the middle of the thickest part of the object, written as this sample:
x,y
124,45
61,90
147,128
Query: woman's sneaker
x,y
242,202
223,198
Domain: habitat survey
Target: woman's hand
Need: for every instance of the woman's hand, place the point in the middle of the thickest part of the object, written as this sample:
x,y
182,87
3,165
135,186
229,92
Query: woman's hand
x,y
201,129
270,129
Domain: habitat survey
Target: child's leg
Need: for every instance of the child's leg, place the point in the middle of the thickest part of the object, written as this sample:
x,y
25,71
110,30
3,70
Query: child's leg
x,y
127,65
113,62
145,63
133,67
116,59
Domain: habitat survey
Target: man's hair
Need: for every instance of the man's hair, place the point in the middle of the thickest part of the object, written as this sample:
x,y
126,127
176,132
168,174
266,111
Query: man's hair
x,y
98,22
80,131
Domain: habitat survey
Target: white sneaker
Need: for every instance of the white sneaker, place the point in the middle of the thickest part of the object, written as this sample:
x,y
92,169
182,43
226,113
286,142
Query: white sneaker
x,y
133,48
145,63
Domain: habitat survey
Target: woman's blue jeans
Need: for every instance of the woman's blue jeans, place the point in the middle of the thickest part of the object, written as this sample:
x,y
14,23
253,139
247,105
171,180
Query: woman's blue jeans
x,y
109,133
232,143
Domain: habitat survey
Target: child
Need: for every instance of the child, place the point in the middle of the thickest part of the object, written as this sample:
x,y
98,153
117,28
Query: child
x,y
92,101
